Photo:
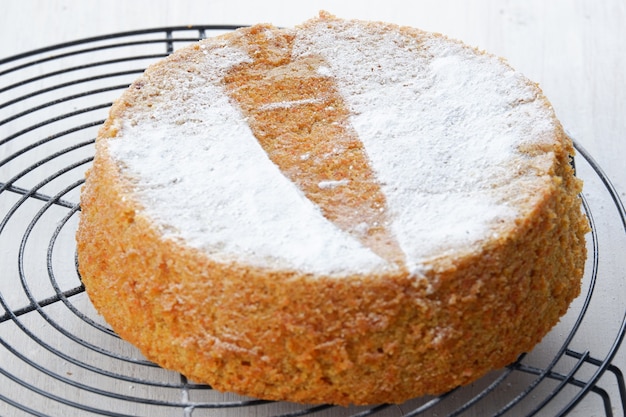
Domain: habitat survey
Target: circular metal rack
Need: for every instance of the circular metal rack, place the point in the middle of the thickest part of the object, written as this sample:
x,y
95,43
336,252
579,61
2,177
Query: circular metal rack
x,y
58,357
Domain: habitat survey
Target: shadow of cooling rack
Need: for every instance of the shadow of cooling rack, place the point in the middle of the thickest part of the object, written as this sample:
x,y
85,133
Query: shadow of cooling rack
x,y
57,356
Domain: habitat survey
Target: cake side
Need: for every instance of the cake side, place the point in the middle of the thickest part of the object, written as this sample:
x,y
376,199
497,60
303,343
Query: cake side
x,y
278,332
286,336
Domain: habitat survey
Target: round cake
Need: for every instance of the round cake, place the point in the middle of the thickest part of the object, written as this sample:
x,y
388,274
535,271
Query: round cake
x,y
342,212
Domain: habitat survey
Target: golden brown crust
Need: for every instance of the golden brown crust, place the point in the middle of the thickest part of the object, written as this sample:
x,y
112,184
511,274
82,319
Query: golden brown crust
x,y
360,339
289,337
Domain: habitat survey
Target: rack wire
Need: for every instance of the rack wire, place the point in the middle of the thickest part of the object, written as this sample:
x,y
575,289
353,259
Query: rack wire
x,y
58,357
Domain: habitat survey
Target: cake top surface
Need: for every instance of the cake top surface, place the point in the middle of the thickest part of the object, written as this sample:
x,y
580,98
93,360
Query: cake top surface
x,y
334,148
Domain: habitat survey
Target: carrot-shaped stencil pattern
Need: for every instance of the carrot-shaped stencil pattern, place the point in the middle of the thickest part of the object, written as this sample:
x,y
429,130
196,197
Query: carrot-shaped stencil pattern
x,y
299,118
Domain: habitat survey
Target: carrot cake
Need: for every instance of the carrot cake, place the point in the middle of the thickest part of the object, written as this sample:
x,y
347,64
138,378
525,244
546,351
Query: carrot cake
x,y
342,212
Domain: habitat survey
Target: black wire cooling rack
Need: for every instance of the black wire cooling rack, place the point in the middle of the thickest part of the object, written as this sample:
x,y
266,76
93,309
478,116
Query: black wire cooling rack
x,y
57,356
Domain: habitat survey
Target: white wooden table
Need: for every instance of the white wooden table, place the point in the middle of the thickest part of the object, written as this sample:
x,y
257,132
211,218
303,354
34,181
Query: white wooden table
x,y
575,50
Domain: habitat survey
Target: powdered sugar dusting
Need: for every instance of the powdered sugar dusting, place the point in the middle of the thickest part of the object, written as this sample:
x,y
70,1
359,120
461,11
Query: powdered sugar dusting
x,y
332,183
441,126
289,104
